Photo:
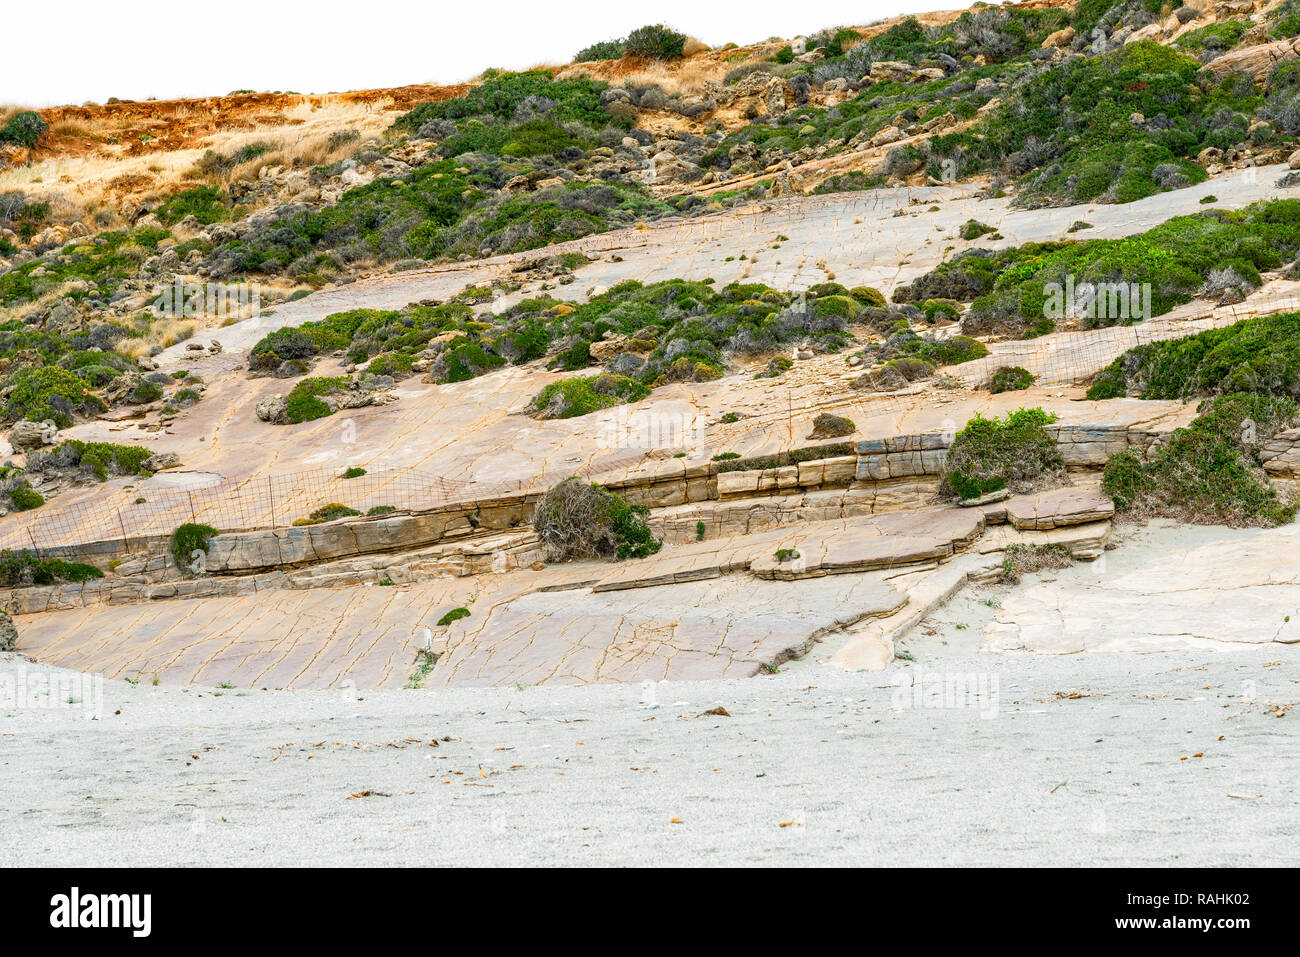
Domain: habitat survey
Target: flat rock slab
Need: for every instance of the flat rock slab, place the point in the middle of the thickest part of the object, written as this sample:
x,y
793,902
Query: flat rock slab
x,y
883,541
1059,508
725,628
1241,590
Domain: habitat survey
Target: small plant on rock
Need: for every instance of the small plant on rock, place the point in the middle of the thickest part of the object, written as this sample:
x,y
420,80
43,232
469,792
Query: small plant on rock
x,y
454,615
1010,379
189,538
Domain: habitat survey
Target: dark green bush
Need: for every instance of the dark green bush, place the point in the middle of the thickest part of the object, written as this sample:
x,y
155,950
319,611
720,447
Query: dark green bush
x,y
1255,355
574,397
190,538
993,453
655,42
1207,473
23,569
454,615
1010,379
49,392
578,519
23,129
202,202
327,513
24,498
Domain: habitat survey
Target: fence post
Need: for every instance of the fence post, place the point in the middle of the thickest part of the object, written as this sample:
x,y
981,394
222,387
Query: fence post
x,y
270,494
193,517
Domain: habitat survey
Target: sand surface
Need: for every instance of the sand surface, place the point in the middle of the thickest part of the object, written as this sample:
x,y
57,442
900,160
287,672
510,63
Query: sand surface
x,y
1029,760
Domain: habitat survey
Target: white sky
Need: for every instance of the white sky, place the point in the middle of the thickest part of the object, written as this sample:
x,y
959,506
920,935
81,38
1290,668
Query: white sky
x,y
72,51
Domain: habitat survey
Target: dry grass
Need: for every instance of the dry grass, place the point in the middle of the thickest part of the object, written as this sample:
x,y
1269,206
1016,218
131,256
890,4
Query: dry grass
x,y
100,176
1020,560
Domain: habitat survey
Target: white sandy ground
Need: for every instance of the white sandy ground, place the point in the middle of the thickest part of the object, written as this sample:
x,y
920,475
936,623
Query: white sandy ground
x,y
858,773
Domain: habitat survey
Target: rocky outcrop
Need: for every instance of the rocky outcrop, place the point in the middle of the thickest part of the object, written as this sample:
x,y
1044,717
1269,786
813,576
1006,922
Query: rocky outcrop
x,y
1059,508
1081,447
1255,61
29,436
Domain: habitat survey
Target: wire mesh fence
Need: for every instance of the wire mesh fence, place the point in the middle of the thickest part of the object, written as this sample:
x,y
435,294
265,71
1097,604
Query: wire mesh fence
x,y
149,510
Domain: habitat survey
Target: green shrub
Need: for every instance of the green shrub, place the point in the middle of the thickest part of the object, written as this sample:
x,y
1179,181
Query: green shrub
x,y
974,230
1066,133
303,401
500,94
1010,379
23,129
354,472
990,454
574,397
101,458
1207,473
454,615
381,510
188,539
578,519
1255,355
327,513
146,391
23,569
202,202
1022,291
604,50
655,42
49,392
25,498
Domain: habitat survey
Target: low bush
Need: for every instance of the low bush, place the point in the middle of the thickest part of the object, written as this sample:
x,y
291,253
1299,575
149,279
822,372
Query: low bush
x,y
1207,473
23,129
24,498
1025,291
1010,379
49,392
578,519
24,569
204,203
327,513
1255,355
990,454
454,615
569,398
101,459
190,538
